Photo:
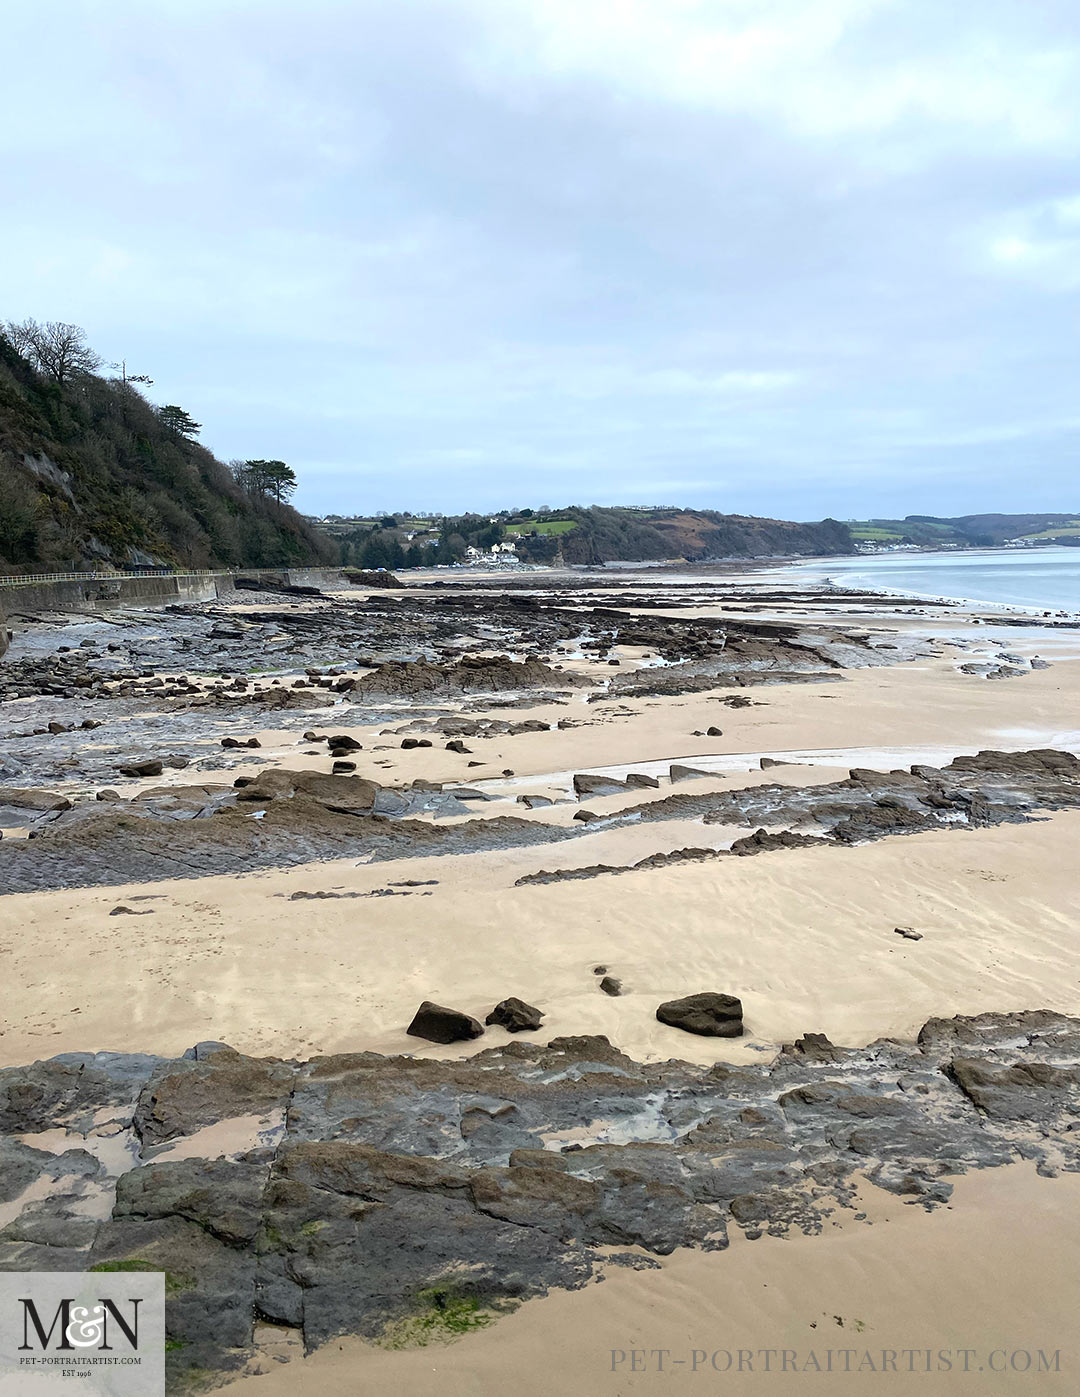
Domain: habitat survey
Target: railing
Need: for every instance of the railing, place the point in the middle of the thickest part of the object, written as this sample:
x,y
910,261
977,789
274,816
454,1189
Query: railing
x,y
31,579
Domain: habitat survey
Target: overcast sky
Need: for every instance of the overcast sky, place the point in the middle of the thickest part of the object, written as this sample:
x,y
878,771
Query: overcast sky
x,y
786,257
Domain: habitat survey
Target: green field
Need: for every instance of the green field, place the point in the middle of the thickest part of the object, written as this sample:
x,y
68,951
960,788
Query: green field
x,y
542,526
1062,531
872,534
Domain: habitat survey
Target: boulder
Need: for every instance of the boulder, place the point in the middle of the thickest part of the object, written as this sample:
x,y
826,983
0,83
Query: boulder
x,y
709,1014
137,769
438,1024
515,1015
340,740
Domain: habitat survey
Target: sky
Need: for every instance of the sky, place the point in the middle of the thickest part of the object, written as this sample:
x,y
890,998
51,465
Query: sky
x,y
794,258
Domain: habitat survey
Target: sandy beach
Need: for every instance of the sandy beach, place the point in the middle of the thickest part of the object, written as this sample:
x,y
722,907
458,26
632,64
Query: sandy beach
x,y
505,876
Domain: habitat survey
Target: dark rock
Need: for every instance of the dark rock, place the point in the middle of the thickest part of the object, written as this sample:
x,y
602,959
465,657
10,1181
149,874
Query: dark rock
x,y
515,1015
441,1025
610,985
709,1014
151,767
342,741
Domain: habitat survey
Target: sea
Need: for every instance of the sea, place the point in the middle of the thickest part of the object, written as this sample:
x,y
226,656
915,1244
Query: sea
x,y
1032,578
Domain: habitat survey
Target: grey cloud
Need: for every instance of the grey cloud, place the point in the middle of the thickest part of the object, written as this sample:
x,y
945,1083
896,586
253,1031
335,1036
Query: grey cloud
x,y
775,257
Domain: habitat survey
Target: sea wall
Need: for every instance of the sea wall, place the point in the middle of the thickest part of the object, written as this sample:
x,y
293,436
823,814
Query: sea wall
x,y
98,594
102,593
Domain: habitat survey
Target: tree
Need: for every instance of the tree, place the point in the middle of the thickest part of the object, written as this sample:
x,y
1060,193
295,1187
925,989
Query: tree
x,y
178,421
58,350
125,377
273,478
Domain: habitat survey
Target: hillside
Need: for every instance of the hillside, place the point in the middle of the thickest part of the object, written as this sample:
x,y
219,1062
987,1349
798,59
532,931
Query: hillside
x,y
90,472
578,535
968,530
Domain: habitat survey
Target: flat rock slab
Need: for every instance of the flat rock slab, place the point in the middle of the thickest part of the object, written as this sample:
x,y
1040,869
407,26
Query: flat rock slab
x,y
337,1195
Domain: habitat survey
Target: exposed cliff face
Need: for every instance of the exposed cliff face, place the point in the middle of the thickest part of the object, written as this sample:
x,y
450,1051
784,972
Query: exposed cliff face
x,y
89,472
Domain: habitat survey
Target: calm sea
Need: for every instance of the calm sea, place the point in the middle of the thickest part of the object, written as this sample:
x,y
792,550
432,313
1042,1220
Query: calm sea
x,y
1030,577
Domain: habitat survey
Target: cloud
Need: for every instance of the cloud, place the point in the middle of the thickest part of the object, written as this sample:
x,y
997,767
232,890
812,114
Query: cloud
x,y
788,256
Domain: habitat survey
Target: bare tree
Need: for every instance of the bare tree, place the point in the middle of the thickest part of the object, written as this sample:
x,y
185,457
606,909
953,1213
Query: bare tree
x,y
55,349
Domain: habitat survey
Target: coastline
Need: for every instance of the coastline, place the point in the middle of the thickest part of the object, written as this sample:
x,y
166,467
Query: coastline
x,y
325,960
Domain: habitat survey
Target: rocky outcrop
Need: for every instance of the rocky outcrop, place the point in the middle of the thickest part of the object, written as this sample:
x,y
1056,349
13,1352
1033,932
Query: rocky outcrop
x,y
164,835
339,1195
371,577
473,674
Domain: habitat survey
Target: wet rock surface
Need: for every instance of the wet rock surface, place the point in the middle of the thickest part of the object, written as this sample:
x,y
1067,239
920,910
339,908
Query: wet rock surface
x,y
333,1195
285,818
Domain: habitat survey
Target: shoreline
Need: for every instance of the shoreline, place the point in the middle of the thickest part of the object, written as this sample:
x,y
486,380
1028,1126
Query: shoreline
x,y
515,841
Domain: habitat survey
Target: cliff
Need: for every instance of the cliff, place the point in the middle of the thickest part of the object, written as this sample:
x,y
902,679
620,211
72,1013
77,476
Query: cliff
x,y
90,473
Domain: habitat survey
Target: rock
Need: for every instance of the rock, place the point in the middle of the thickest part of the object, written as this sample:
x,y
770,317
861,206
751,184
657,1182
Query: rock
x,y
515,1015
343,768
587,817
597,785
370,577
470,674
711,1015
150,767
639,781
714,732
348,794
341,741
40,802
456,745
763,840
184,1095
611,986
438,1024
1018,1091
907,933
678,772
408,743
122,911
107,794
767,763
813,1047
